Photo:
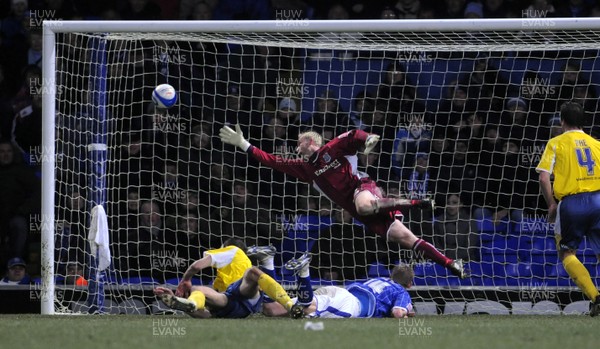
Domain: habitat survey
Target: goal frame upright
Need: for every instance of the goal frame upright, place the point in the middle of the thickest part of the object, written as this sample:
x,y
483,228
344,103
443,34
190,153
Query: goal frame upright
x,y
52,28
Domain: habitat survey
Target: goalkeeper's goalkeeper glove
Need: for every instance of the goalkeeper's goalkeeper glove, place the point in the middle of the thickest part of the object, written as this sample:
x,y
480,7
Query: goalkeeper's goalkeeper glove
x,y
235,138
370,143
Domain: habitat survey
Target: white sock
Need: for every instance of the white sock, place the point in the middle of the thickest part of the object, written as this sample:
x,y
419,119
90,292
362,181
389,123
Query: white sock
x,y
268,263
304,272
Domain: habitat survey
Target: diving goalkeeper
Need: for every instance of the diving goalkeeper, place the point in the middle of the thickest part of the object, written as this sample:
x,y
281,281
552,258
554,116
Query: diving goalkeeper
x,y
330,169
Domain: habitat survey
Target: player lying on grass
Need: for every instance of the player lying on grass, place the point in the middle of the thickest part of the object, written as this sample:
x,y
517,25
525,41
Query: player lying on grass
x,y
331,168
574,159
377,297
241,299
235,292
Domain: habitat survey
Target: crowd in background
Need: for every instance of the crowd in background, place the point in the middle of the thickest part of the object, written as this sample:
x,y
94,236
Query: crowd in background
x,y
175,191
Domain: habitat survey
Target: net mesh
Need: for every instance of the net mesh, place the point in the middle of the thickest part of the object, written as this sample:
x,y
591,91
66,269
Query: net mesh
x,y
527,39
463,118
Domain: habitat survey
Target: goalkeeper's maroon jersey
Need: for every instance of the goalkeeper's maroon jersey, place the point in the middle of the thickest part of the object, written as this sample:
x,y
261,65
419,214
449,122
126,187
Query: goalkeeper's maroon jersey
x,y
328,169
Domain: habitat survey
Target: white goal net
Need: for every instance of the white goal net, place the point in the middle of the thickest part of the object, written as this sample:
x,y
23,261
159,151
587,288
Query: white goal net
x,y
464,110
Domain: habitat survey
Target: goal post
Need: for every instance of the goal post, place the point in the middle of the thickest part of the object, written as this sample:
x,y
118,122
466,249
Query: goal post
x,y
106,66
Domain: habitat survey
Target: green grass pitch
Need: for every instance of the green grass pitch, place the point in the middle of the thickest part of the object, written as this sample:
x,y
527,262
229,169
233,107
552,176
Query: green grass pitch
x,y
144,332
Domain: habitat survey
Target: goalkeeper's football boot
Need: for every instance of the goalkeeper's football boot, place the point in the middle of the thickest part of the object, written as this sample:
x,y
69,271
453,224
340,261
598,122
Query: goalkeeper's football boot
x,y
261,252
178,303
457,267
595,307
299,263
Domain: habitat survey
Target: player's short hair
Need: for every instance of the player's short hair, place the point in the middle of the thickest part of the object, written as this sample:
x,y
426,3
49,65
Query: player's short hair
x,y
317,138
571,113
402,274
237,243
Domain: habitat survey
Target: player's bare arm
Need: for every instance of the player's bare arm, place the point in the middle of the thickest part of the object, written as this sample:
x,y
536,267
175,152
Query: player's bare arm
x,y
185,286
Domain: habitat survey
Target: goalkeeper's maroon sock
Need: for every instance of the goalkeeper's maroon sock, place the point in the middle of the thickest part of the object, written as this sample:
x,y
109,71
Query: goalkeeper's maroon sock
x,y
429,251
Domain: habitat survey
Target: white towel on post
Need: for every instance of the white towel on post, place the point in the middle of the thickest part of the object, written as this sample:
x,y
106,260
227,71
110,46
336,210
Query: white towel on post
x,y
98,237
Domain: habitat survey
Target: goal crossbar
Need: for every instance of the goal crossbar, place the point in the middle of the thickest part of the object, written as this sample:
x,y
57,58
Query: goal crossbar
x,y
314,26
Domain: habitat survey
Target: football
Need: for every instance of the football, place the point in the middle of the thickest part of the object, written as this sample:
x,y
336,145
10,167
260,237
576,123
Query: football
x,y
164,96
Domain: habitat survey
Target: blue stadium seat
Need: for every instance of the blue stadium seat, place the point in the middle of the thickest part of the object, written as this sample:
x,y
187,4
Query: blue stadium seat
x,y
474,268
485,236
493,269
592,269
440,271
557,273
487,281
586,247
586,258
519,270
513,243
173,281
565,281
487,268
500,257
424,269
495,281
436,281
538,269
486,225
597,273
543,245
143,280
506,258
522,274
477,274
378,270
552,282
544,258
419,281
501,244
454,281
472,281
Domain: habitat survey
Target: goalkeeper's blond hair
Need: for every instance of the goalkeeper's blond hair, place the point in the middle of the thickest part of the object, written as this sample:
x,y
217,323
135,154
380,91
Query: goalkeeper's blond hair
x,y
316,138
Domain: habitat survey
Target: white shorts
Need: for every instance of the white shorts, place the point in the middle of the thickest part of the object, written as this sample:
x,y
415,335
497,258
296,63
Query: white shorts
x,y
336,302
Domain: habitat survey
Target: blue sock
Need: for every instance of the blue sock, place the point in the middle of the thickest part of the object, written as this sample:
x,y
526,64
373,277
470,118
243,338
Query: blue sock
x,y
270,272
305,291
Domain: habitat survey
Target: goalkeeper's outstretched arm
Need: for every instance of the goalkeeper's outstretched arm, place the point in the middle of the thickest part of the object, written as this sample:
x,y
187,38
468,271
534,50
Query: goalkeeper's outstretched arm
x,y
293,167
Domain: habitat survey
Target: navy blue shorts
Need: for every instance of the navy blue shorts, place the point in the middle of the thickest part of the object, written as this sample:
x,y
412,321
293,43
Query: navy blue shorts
x,y
579,215
238,306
